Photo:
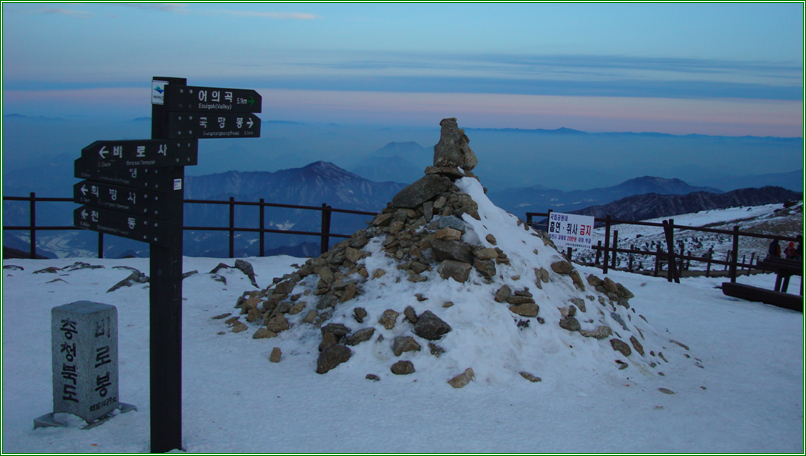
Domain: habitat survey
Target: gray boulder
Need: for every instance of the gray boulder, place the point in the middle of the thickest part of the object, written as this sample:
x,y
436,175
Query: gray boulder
x,y
405,344
570,324
422,190
620,346
452,250
331,357
451,221
455,270
403,368
431,327
362,335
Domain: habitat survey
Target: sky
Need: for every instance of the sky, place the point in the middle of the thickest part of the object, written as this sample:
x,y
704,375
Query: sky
x,y
730,69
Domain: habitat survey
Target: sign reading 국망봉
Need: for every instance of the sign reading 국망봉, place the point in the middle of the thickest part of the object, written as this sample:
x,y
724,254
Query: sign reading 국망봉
x,y
571,230
183,125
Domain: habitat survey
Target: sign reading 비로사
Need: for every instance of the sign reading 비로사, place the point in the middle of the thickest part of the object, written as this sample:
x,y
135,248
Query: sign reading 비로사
x,y
571,230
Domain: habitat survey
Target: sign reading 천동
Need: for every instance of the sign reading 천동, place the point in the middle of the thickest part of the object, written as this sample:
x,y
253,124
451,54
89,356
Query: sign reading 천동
x,y
571,230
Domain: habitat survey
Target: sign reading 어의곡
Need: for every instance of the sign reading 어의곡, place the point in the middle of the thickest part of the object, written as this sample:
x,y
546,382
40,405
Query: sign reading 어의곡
x,y
571,230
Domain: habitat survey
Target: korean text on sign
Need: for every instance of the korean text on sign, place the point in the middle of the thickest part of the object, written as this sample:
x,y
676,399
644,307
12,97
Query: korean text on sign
x,y
571,230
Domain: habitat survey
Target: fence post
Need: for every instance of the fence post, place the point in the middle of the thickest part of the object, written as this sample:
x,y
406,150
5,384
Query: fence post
x,y
657,260
100,245
568,254
708,267
750,266
615,249
668,228
232,227
607,245
529,220
735,255
262,227
548,219
325,228
727,260
598,252
629,258
32,212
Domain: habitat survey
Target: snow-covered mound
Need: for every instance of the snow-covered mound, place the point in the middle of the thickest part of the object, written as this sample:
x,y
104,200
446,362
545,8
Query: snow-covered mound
x,y
446,282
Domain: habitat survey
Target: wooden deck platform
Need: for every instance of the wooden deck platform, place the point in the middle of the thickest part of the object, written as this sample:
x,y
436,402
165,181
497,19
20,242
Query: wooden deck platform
x,y
751,293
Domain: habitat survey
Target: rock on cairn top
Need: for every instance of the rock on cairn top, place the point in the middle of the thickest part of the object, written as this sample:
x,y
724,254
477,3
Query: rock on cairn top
x,y
453,150
444,285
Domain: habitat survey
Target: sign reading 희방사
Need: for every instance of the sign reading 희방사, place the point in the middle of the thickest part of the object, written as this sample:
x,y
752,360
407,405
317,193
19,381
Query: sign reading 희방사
x,y
571,230
123,199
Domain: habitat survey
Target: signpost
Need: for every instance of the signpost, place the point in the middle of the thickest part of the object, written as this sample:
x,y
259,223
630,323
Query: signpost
x,y
135,189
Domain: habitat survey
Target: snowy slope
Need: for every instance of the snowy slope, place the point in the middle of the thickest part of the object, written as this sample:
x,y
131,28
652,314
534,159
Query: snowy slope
x,y
748,397
737,388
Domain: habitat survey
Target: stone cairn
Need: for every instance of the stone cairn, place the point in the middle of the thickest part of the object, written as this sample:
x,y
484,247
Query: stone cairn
x,y
421,230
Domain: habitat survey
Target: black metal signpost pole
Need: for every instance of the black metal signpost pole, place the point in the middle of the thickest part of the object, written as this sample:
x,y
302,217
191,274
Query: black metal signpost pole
x,y
135,189
165,311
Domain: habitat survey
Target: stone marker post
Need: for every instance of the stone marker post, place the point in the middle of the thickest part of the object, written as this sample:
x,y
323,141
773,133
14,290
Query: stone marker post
x,y
84,347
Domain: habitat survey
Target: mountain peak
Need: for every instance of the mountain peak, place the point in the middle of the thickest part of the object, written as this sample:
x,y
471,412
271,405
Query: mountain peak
x,y
400,148
661,186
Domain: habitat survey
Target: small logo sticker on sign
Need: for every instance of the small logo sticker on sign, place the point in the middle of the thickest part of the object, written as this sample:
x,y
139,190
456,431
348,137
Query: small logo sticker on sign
x,y
158,92
177,184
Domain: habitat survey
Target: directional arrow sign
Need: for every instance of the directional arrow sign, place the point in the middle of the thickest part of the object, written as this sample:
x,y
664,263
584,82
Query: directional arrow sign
x,y
152,153
211,99
155,180
137,227
123,199
212,125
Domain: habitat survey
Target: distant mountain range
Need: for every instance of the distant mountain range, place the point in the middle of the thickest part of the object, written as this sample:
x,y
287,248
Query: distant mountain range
x,y
375,179
540,199
653,205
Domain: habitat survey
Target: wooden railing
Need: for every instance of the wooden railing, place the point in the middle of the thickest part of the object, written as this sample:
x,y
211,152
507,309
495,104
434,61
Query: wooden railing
x,y
675,260
324,234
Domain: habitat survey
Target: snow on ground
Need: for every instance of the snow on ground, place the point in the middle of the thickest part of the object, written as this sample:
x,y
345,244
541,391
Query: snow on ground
x,y
748,397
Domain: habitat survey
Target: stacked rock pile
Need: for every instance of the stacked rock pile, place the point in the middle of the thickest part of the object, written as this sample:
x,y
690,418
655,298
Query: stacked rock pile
x,y
433,231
